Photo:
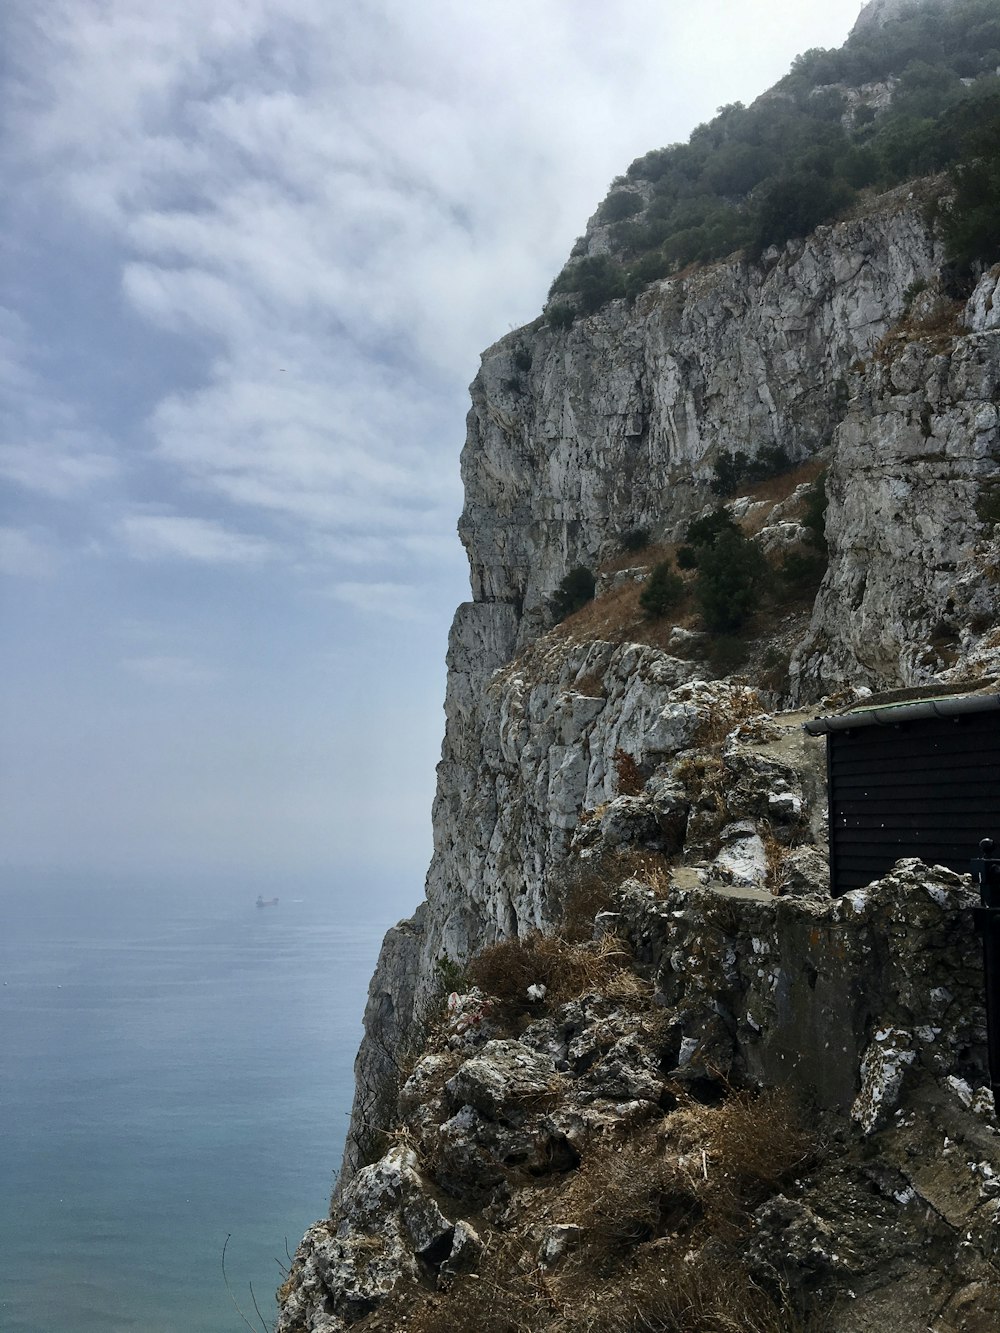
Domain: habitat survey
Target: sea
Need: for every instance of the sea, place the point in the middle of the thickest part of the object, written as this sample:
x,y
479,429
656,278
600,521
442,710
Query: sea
x,y
175,1082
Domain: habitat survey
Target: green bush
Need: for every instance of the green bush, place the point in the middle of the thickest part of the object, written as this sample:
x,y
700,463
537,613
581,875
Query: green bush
x,y
739,468
731,575
757,176
620,205
635,539
561,315
663,590
687,557
705,531
575,590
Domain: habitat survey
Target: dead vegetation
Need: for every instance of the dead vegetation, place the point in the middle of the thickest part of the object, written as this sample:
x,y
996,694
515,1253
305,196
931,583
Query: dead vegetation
x,y
505,970
630,777
648,1236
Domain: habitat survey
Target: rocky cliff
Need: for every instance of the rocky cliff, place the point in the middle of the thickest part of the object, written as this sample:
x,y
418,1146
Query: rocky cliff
x,y
617,787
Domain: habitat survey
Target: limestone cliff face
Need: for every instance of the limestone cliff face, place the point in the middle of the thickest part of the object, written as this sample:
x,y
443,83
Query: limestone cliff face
x,y
577,436
618,421
575,752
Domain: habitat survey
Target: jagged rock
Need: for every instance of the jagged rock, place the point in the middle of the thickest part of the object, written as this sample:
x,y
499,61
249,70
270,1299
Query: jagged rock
x,y
503,1081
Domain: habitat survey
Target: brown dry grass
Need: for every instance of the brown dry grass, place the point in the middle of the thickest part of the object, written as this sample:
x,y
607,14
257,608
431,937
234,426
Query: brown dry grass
x,y
937,330
704,776
649,867
662,1221
567,970
738,708
646,556
628,773
776,489
586,889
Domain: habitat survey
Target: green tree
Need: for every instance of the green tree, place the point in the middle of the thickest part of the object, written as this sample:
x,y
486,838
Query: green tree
x,y
576,589
664,589
731,574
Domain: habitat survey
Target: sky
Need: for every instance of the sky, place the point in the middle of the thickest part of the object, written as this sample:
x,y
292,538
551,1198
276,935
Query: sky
x,y
250,251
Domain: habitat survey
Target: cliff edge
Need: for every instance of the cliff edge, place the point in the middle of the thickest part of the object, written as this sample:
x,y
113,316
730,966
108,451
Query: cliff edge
x,y
629,1066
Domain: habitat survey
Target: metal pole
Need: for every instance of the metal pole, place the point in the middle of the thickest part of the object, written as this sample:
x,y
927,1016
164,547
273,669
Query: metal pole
x,y
987,919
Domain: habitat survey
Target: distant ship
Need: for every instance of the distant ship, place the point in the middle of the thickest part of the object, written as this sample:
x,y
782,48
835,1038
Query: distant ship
x,y
266,902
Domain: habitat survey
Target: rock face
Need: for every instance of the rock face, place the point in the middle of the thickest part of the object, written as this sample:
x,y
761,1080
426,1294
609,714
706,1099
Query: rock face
x,y
616,425
672,822
618,1105
618,421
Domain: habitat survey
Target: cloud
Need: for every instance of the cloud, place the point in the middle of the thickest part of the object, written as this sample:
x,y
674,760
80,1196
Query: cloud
x,y
163,537
170,671
44,447
24,554
339,216
393,601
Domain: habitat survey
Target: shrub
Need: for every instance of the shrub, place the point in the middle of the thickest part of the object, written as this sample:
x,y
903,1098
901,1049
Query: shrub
x,y
687,557
635,539
597,279
620,205
736,468
731,574
561,315
522,358
663,590
628,772
705,531
506,970
575,590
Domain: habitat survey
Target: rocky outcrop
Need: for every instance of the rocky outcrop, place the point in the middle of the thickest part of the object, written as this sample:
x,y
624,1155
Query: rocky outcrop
x,y
910,592
869,1007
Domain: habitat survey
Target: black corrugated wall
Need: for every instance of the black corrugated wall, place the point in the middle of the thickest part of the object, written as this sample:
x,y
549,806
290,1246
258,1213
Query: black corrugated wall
x,y
929,788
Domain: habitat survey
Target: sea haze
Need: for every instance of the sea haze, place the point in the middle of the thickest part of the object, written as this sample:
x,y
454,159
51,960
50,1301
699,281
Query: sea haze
x,y
176,1067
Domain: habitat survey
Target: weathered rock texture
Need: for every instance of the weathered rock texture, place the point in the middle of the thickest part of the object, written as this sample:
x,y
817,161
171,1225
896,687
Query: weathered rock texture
x,y
596,1141
570,759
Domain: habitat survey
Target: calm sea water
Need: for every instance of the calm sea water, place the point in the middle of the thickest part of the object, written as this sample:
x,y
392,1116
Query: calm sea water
x,y
174,1068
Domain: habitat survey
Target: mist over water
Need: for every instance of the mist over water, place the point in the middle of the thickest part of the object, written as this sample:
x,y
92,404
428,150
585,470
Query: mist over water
x,y
175,1067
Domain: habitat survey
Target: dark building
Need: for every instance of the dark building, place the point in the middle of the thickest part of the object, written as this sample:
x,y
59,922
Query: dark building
x,y
917,778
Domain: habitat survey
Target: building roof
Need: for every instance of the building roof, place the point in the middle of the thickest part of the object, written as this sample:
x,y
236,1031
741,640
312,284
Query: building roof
x,y
906,710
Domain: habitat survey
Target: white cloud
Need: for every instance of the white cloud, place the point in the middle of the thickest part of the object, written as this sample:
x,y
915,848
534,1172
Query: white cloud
x,y
394,601
25,554
171,537
345,212
44,448
170,671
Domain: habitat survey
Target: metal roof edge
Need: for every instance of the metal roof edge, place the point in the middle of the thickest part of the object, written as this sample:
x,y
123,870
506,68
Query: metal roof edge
x,y
890,715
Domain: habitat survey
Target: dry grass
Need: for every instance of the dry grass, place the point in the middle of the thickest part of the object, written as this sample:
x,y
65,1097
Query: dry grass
x,y
586,889
937,330
662,1220
704,776
776,489
774,854
628,773
566,970
649,867
645,557
739,709
591,685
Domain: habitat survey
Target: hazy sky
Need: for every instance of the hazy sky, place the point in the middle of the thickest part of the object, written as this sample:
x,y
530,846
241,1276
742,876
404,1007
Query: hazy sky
x,y
250,251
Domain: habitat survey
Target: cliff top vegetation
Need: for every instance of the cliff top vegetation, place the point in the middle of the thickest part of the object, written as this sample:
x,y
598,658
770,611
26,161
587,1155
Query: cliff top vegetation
x,y
915,97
